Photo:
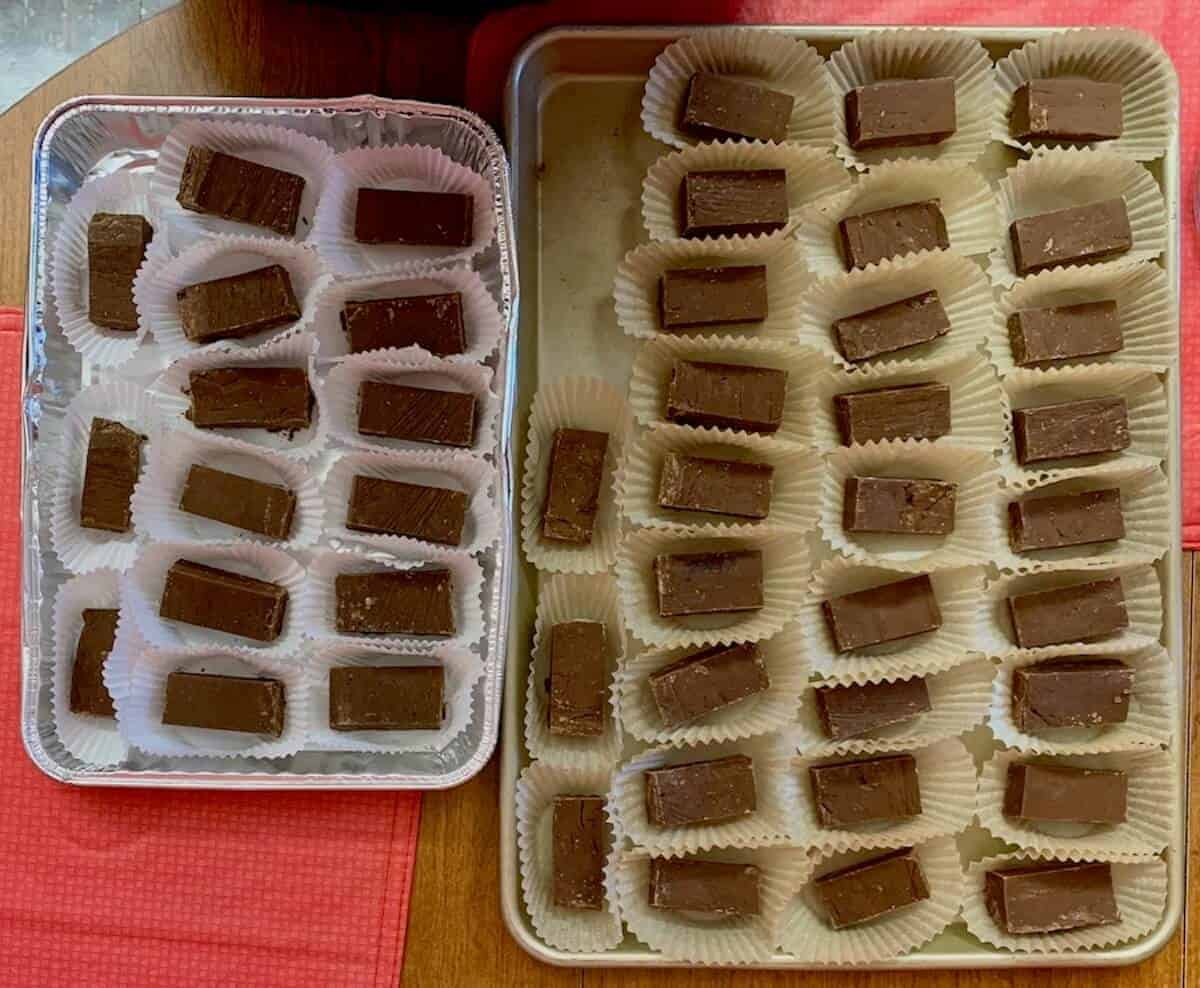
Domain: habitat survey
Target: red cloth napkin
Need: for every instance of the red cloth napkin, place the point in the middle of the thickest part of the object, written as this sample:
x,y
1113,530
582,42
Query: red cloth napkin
x,y
110,887
498,39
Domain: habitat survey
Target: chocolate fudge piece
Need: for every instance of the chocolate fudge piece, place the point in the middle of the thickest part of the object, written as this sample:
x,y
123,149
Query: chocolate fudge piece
x,y
578,681
277,399
1068,614
576,476
114,460
1062,520
734,203
856,709
739,488
579,844
882,614
718,107
418,511
208,597
903,507
726,396
238,306
1067,109
240,190
248,704
872,888
117,245
900,113
1070,428
713,888
709,582
1064,332
420,415
711,791
895,326
1075,235
1067,692
395,216
89,695
386,698
912,411
1048,898
705,681
251,505
401,602
847,794
433,322
1046,793
691,298
882,233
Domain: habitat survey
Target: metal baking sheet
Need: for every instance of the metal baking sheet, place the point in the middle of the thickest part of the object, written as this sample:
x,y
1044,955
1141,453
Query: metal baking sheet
x,y
579,155
98,135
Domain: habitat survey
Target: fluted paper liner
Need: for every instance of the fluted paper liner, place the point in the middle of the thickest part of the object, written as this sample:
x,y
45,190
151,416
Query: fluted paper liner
x,y
794,482
473,476
572,403
959,698
1144,832
785,566
697,938
976,537
778,61
1146,308
1058,179
413,167
84,549
807,935
637,287
1150,89
774,708
651,376
967,203
812,175
961,285
128,647
564,929
1140,890
573,597
1151,706
916,53
461,669
957,592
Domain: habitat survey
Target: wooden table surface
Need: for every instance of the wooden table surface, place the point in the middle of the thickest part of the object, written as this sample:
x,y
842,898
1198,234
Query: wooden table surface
x,y
273,48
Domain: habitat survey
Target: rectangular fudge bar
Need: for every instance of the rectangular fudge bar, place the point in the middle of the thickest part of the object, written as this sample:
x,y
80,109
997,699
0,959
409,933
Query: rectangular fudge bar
x,y
896,326
872,237
1070,428
579,842
718,107
713,888
240,190
1071,692
693,298
884,613
89,694
248,704
395,216
1064,332
726,396
709,680
709,582
734,203
208,597
911,411
738,488
900,506
417,511
420,415
117,245
1068,614
901,113
1061,520
573,488
1075,235
579,679
238,306
386,698
872,888
402,602
277,399
432,322
251,505
1067,109
701,792
114,460
847,794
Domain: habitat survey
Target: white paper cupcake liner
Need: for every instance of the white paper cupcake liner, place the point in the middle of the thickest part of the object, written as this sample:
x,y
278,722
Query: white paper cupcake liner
x,y
780,62
960,283
85,549
916,53
573,597
1151,706
128,647
967,203
957,592
573,930
807,935
1141,894
794,482
976,537
412,167
572,403
482,321
1145,831
1059,179
1146,308
473,476
414,367
812,174
636,291
1150,90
